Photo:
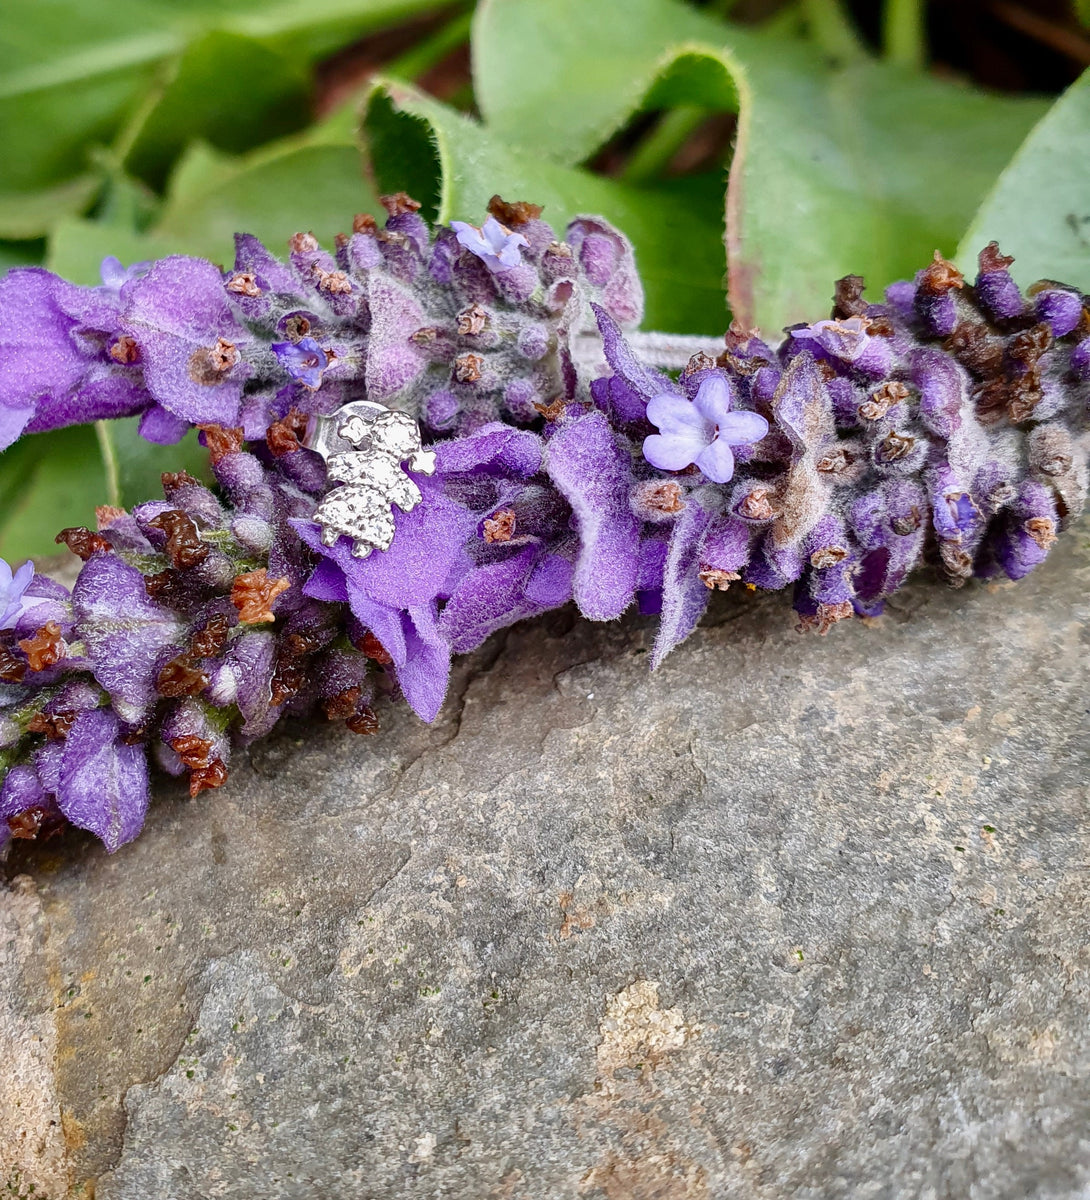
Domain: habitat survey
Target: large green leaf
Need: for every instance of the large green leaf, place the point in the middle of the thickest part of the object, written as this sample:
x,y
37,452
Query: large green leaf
x,y
74,68
455,165
1039,210
33,214
49,481
227,89
863,168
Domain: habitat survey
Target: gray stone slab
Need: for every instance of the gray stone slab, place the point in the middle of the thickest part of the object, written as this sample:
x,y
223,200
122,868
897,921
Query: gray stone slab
x,y
795,916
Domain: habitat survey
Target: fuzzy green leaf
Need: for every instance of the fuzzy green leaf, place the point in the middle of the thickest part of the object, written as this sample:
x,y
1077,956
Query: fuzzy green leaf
x,y
1039,210
455,166
865,168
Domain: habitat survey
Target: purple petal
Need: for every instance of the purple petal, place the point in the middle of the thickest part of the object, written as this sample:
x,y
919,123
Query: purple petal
x,y
672,453
425,675
103,783
677,417
740,428
594,475
684,595
717,461
126,633
713,400
176,313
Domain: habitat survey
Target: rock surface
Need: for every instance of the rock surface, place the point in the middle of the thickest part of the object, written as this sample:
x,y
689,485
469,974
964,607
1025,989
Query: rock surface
x,y
796,916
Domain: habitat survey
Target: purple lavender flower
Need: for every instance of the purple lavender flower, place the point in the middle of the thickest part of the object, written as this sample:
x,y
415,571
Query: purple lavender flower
x,y
494,244
12,589
303,360
700,431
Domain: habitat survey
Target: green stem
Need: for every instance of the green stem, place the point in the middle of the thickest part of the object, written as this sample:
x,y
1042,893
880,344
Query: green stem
x,y
903,37
109,461
653,154
833,30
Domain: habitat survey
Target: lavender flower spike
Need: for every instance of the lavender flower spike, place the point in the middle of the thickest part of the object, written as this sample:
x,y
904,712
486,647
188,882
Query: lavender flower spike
x,y
493,243
700,431
12,587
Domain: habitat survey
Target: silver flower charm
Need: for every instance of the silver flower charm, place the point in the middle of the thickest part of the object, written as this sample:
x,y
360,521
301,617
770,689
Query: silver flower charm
x,y
364,445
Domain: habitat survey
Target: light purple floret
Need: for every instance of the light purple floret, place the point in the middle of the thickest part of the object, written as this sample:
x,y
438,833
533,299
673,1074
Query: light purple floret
x,y
12,587
700,431
494,244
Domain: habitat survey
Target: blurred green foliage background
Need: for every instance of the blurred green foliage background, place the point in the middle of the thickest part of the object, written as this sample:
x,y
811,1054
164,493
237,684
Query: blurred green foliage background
x,y
753,151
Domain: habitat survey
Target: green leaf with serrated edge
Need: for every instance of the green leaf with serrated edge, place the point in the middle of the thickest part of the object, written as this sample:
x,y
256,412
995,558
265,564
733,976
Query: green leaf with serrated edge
x,y
73,69
1039,209
49,481
229,90
454,166
864,169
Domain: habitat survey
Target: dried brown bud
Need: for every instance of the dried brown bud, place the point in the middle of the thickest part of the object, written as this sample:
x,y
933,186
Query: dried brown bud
x,y
713,578
882,399
243,284
166,587
46,648
500,527
364,721
253,595
221,441
82,542
699,362
209,641
513,213
183,547
957,563
975,347
467,368
194,751
552,411
472,321
107,514
757,504
343,705
303,243
223,355
203,779
907,524
124,350
35,822
1028,346
174,481
286,435
12,668
940,277
364,223
895,446
826,617
848,298
838,461
181,677
399,203
1042,530
990,259
289,678
374,649
296,327
336,283
663,496
55,726
828,556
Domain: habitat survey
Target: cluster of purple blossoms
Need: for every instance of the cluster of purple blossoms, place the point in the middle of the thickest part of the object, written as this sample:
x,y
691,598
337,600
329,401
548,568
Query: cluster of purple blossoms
x,y
948,425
